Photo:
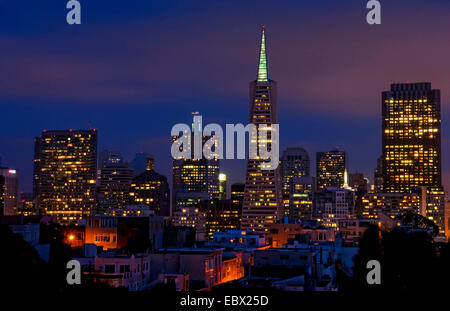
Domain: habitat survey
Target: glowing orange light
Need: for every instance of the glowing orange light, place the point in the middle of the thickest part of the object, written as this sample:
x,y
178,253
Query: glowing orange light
x,y
71,237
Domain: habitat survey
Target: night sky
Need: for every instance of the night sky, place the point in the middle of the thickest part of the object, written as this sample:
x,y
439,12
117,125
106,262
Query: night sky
x,y
133,69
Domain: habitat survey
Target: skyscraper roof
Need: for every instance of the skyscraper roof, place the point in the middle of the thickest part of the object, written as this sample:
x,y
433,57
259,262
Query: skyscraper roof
x,y
263,72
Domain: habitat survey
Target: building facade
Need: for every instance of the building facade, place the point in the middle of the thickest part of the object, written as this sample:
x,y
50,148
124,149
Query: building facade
x,y
301,198
330,168
262,198
221,215
9,191
151,189
114,180
334,204
411,137
65,173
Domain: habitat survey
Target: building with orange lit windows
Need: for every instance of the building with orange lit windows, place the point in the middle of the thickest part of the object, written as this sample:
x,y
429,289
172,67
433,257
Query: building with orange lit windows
x,y
330,169
151,189
65,170
411,145
263,204
411,137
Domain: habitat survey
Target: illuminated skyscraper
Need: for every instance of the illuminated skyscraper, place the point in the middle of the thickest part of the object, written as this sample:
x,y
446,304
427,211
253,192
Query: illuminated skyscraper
x,y
262,199
9,184
193,181
65,173
152,189
220,215
294,163
196,175
411,137
114,180
330,169
411,145
301,196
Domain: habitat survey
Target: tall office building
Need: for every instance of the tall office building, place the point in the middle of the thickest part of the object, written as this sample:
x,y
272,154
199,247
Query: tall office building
x,y
262,198
220,215
330,169
196,175
114,180
65,171
301,196
411,131
152,189
193,181
411,145
294,163
10,185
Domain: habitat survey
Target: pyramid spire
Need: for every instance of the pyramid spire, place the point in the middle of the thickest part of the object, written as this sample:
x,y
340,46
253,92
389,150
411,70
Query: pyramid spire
x,y
263,72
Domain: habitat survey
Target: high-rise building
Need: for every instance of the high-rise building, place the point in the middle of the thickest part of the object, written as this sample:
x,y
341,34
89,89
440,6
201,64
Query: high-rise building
x,y
294,163
152,189
193,180
10,190
114,180
263,198
330,168
411,137
222,186
196,175
221,215
433,205
411,145
301,196
65,169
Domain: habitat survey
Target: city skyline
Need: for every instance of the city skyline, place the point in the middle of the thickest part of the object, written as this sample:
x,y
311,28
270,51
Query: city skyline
x,y
332,173
310,103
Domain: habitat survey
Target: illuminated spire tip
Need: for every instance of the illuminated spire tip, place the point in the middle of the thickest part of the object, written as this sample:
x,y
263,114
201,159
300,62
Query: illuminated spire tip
x,y
263,74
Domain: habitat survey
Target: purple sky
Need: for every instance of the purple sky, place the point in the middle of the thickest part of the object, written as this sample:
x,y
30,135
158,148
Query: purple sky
x,y
136,69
